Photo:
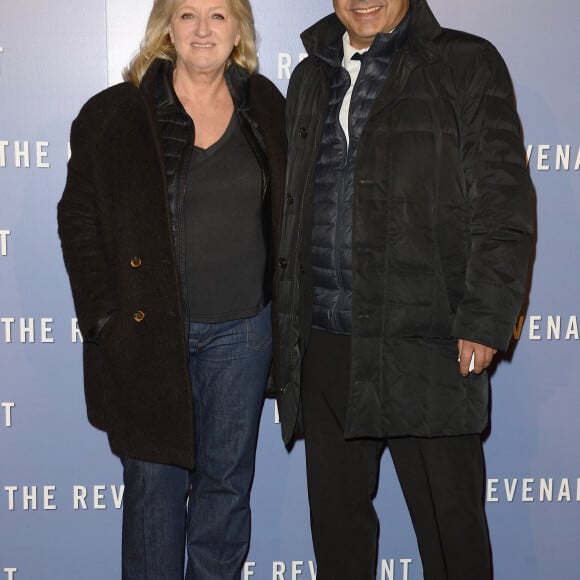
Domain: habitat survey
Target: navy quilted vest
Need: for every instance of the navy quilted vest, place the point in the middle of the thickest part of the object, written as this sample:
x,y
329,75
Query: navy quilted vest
x,y
334,180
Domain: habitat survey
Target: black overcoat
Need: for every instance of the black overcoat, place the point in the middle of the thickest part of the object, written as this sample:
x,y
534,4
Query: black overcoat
x,y
115,229
442,231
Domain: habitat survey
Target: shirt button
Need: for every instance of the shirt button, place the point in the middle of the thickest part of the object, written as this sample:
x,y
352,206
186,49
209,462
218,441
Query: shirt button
x,y
283,262
290,199
136,262
139,316
303,132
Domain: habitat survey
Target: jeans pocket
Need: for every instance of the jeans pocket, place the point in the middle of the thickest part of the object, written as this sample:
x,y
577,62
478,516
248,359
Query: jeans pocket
x,y
259,329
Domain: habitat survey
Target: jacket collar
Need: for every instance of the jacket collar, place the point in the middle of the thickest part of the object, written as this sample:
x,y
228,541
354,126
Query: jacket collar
x,y
323,39
157,85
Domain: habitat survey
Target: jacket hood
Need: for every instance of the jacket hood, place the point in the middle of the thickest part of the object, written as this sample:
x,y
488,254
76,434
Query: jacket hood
x,y
322,39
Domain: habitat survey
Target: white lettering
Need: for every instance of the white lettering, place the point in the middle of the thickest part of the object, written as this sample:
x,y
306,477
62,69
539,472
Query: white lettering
x,y
7,413
46,330
572,330
117,494
11,491
30,495
7,322
558,157
527,490
533,490
562,157
564,493
4,242
21,153
41,154
543,156
29,498
10,573
79,497
49,497
278,569
551,327
388,568
554,323
534,327
76,335
510,489
99,497
248,570
3,145
27,329
492,484
297,568
284,64
546,489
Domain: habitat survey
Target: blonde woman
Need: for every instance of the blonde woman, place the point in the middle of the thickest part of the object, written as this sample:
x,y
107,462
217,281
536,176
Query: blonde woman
x,y
167,225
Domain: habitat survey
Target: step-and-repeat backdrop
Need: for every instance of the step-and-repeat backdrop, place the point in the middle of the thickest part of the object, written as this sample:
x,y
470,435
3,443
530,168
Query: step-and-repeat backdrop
x,y
60,488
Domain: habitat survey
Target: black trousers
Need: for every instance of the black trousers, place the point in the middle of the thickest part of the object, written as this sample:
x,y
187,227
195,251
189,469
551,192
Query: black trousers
x,y
442,480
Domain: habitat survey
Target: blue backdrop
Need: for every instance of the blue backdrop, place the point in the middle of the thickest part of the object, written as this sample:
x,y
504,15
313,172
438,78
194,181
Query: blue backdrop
x,y
60,488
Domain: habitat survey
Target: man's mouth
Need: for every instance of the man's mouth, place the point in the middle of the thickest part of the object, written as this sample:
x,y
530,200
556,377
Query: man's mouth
x,y
367,10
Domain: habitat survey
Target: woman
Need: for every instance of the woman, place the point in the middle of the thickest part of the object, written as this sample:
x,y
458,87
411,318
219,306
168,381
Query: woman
x,y
167,220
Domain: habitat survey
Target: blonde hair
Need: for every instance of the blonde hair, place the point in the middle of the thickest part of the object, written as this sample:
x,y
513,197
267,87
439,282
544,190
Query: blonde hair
x,y
157,44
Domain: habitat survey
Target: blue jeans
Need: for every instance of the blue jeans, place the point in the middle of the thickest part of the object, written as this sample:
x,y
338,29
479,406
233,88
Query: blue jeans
x,y
167,508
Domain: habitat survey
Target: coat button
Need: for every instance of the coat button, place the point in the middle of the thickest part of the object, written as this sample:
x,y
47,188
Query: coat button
x,y
136,262
139,316
303,132
283,262
290,199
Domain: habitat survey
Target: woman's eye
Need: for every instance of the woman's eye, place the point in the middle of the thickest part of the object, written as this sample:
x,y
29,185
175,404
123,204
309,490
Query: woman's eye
x,y
218,16
186,16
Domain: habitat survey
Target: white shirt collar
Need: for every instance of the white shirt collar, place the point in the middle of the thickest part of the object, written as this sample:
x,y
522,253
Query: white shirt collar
x,y
348,49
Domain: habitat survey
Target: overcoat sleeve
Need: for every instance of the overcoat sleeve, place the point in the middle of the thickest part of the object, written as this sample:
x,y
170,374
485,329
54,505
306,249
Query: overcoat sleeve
x,y
499,208
79,225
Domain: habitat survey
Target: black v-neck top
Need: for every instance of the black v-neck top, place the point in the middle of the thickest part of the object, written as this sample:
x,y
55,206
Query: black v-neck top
x,y
225,245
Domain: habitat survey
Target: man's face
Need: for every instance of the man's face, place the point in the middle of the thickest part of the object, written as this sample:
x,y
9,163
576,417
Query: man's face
x,y
364,19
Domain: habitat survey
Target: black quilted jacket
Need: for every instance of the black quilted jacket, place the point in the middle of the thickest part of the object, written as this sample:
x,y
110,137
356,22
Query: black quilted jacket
x,y
442,231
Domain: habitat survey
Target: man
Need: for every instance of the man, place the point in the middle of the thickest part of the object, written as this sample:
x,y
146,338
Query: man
x,y
403,259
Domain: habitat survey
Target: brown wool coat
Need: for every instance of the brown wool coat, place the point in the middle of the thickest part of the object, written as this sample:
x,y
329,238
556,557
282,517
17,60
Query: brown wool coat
x,y
114,225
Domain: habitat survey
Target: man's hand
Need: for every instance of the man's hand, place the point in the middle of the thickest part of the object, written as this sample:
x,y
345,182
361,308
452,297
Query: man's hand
x,y
483,355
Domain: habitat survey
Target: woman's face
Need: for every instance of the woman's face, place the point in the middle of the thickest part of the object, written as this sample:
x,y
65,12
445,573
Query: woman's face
x,y
204,33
